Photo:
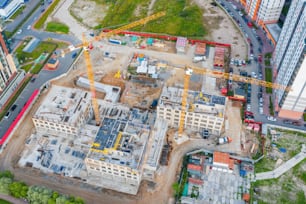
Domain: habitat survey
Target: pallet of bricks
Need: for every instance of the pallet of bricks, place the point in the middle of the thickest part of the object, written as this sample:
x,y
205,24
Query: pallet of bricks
x,y
219,57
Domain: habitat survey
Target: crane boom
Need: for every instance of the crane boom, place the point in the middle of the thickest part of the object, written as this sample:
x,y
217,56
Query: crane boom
x,y
116,31
85,44
235,77
216,74
91,81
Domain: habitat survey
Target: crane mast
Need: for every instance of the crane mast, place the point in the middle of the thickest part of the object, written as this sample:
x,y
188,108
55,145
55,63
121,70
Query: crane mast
x,y
91,81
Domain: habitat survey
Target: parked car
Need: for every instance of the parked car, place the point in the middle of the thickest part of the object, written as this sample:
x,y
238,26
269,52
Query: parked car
x,y
260,110
254,75
288,122
13,107
19,31
271,118
249,107
7,115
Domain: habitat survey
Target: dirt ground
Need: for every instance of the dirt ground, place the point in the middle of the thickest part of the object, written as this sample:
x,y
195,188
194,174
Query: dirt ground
x,y
222,29
89,10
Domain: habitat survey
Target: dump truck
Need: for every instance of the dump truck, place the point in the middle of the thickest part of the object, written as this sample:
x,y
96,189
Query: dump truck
x,y
224,140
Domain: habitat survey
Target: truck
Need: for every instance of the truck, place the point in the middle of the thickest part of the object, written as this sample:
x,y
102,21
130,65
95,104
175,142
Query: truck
x,y
224,140
198,59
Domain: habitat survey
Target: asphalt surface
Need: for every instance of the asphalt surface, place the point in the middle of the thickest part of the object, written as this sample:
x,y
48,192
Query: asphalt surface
x,y
45,75
258,49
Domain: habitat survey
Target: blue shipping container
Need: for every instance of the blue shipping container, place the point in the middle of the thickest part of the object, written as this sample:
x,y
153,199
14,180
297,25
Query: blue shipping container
x,y
118,42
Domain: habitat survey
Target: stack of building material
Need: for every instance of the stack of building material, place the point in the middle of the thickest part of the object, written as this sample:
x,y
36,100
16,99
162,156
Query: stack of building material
x,y
219,57
200,49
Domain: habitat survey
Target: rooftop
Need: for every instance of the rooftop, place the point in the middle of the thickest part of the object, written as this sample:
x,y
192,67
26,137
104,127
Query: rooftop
x,y
274,30
196,101
181,42
122,136
63,105
112,93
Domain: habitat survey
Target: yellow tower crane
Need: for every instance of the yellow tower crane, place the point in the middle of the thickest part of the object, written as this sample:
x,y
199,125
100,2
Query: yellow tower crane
x,y
88,45
189,70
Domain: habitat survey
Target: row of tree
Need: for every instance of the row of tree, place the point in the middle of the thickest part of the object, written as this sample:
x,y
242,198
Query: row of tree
x,y
33,194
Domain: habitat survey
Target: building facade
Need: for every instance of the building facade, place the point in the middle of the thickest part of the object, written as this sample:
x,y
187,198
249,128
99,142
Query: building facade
x,y
204,111
64,112
9,7
263,11
7,65
289,63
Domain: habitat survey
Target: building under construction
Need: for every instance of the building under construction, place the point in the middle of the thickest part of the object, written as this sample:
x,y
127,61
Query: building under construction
x,y
123,150
203,111
64,112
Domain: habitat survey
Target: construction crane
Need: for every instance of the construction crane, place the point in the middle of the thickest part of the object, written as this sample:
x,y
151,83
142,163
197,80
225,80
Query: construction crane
x,y
115,31
189,70
87,45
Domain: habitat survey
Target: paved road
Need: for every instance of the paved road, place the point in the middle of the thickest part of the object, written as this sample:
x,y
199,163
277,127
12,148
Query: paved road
x,y
12,199
284,167
30,5
258,48
44,75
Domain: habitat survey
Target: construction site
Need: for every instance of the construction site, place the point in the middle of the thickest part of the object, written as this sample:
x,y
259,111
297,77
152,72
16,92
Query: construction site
x,y
114,120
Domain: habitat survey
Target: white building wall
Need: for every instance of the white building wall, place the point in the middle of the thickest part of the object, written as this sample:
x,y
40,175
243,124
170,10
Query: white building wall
x,y
270,10
289,57
112,176
195,121
11,8
296,99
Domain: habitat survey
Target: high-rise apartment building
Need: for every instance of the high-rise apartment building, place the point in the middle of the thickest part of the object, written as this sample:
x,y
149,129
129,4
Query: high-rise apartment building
x,y
263,11
290,63
7,65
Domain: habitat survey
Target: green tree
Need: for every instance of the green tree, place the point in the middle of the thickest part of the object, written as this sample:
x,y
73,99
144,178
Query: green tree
x,y
6,174
4,185
176,188
18,189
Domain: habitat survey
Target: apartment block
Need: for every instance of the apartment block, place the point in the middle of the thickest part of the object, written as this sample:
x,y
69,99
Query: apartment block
x,y
204,111
9,7
64,112
263,11
289,64
7,65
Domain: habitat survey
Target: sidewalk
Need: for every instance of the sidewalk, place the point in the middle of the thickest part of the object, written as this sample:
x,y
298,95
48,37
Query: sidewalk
x,y
12,199
284,167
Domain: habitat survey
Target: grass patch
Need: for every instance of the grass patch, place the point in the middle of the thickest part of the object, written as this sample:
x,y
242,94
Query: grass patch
x,y
265,164
39,24
174,23
43,47
267,62
4,201
304,116
268,55
13,99
57,27
17,13
27,67
271,109
268,76
123,12
178,12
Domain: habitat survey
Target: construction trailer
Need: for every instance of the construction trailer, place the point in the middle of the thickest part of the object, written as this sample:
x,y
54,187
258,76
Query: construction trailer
x,y
219,57
181,45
